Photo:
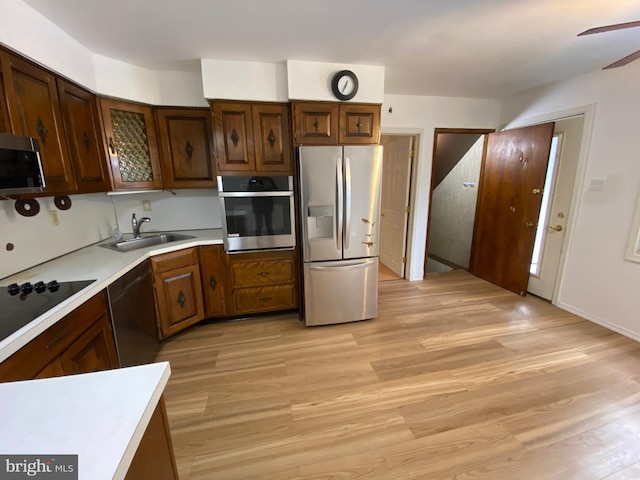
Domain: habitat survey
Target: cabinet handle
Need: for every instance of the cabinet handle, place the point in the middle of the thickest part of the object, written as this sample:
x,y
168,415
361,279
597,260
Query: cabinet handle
x,y
263,274
181,299
56,340
189,149
271,138
235,138
264,299
42,131
112,146
212,282
85,140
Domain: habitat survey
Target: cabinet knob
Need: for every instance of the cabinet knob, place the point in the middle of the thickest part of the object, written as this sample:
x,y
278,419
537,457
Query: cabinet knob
x,y
189,149
112,146
213,282
181,299
262,274
86,140
42,131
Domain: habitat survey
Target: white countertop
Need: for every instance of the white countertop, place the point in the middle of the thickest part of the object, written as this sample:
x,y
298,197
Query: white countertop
x,y
99,416
89,263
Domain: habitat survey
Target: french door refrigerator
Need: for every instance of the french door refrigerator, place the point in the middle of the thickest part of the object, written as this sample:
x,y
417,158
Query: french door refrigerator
x,y
340,210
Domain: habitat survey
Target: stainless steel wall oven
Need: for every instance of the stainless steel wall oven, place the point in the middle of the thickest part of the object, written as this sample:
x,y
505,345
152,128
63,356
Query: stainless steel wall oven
x,y
257,212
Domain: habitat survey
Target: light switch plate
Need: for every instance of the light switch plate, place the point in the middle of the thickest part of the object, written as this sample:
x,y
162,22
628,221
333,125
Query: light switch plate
x,y
146,205
596,185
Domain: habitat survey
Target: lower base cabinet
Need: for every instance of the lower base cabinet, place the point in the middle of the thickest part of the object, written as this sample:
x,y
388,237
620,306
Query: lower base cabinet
x,y
178,290
262,281
81,342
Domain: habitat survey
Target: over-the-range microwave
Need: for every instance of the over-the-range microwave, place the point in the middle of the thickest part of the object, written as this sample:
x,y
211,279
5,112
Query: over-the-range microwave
x,y
20,165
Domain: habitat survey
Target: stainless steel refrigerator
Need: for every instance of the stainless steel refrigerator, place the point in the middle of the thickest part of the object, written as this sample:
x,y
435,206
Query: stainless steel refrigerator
x,y
340,213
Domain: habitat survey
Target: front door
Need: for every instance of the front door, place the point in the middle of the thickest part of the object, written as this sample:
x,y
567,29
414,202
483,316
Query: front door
x,y
553,220
509,202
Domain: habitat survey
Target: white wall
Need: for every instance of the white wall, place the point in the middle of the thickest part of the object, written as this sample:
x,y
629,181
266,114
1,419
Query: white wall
x,y
36,240
186,210
422,115
28,32
597,283
257,81
453,209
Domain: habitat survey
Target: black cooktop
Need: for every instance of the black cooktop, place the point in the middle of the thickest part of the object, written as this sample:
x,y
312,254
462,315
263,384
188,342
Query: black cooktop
x,y
21,304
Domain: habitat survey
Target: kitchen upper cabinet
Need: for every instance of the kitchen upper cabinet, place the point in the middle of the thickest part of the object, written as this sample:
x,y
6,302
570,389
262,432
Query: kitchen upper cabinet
x,y
131,145
178,290
252,137
328,123
81,342
316,123
272,138
185,138
34,111
5,126
359,124
81,118
214,281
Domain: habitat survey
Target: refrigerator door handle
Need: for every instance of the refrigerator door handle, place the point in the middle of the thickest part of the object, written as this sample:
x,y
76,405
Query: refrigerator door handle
x,y
347,202
339,206
353,266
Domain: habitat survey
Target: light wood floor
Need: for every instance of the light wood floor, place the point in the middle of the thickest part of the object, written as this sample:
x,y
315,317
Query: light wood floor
x,y
456,378
385,273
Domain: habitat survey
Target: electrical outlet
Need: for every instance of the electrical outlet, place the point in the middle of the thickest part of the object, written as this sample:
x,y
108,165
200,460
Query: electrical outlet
x,y
146,205
596,185
53,216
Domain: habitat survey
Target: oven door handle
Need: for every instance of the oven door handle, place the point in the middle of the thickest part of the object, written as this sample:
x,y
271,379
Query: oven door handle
x,y
255,194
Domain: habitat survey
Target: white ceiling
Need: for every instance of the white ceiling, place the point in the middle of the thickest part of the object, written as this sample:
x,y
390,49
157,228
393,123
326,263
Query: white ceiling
x,y
464,48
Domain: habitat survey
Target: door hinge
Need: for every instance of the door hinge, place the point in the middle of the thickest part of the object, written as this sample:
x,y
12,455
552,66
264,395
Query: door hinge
x,y
407,209
404,259
411,154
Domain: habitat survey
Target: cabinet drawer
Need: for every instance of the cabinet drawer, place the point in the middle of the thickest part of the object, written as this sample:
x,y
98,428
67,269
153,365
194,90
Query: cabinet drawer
x,y
27,362
169,261
262,272
264,299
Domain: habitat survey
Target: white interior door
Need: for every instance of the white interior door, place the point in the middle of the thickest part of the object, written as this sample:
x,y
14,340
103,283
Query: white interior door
x,y
396,175
551,230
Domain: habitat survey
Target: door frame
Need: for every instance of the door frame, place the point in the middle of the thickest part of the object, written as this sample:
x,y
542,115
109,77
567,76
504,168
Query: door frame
x,y
578,184
479,131
417,134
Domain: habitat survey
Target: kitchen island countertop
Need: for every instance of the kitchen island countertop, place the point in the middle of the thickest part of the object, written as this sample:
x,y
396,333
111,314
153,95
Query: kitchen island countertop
x,y
101,417
93,262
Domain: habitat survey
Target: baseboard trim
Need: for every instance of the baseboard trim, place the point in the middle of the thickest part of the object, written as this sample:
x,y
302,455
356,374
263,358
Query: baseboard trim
x,y
603,323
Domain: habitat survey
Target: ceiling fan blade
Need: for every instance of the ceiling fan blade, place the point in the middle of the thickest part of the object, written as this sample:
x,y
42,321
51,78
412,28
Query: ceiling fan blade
x,y
609,28
624,61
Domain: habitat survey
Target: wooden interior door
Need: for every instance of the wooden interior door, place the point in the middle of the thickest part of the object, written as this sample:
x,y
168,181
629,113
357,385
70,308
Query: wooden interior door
x,y
396,176
509,202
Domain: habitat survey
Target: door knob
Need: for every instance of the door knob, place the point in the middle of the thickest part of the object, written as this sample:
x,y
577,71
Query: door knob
x,y
557,228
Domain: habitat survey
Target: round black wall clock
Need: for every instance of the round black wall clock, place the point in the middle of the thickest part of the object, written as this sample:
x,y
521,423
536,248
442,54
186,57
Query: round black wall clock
x,y
344,85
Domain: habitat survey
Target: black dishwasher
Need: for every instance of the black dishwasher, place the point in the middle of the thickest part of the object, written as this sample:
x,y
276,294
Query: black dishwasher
x,y
134,316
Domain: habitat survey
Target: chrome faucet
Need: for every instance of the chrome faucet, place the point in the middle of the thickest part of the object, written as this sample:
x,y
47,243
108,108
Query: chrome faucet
x,y
136,224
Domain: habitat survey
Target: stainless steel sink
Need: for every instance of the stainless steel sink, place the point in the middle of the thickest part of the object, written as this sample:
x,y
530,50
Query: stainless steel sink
x,y
146,241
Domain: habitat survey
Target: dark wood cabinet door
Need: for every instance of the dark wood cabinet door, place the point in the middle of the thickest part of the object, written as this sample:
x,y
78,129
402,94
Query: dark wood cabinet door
x,y
130,136
359,124
34,111
233,128
272,138
185,139
93,351
5,125
53,352
179,299
316,123
82,126
214,281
